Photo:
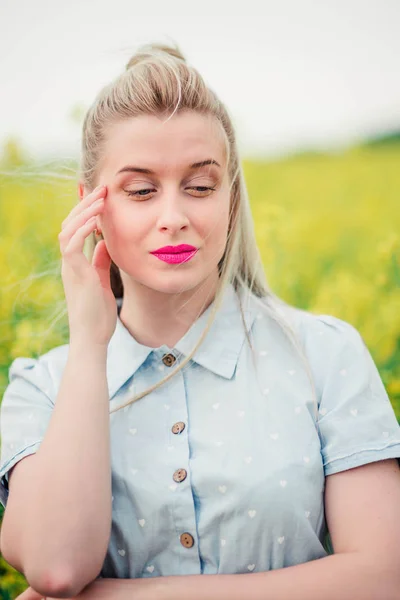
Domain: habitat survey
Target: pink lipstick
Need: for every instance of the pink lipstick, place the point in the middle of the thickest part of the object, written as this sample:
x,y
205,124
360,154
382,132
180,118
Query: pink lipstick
x,y
175,254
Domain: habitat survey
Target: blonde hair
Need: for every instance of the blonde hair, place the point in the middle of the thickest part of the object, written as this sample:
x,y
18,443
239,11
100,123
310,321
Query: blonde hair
x,y
158,81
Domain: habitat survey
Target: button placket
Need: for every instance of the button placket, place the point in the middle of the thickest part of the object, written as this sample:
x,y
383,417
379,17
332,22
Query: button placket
x,y
183,506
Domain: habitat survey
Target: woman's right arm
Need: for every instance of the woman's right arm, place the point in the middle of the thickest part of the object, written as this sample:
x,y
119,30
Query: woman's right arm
x,y
57,522
61,506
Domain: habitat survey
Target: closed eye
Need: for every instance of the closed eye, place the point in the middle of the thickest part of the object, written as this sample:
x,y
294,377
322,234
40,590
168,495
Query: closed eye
x,y
139,193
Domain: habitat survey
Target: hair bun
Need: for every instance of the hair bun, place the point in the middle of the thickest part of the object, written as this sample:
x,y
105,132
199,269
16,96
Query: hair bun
x,y
153,49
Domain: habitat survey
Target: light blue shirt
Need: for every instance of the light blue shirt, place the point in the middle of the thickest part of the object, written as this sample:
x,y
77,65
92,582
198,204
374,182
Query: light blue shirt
x,y
238,487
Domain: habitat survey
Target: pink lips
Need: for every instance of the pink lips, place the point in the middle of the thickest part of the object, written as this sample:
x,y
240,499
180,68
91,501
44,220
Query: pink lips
x,y
175,254
174,249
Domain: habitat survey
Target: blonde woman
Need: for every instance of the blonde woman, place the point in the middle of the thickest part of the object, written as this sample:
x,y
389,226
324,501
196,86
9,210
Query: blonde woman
x,y
198,438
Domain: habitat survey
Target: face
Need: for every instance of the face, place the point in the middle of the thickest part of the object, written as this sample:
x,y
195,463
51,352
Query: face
x,y
172,203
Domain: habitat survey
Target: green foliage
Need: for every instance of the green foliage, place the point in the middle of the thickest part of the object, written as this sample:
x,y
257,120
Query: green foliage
x,y
12,583
387,139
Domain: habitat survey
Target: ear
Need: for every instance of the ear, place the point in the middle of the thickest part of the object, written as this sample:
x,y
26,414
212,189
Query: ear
x,y
81,190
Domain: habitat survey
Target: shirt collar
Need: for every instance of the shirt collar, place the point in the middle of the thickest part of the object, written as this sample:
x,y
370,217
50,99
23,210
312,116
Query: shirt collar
x,y
218,352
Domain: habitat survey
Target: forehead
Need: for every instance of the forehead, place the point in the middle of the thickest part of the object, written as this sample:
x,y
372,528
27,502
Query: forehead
x,y
153,142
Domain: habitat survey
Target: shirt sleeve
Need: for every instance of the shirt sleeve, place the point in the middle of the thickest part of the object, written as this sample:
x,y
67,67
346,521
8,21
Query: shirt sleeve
x,y
357,422
25,412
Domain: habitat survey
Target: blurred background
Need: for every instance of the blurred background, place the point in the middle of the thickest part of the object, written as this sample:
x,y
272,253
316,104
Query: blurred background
x,y
314,91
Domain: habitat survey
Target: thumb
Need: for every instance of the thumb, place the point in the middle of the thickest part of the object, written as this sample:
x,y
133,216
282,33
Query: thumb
x,y
30,594
102,261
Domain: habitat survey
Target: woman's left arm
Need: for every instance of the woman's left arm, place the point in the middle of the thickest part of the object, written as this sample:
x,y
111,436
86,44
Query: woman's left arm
x,y
361,506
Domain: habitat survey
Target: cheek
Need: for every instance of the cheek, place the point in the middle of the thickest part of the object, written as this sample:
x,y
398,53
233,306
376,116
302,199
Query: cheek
x,y
126,224
217,223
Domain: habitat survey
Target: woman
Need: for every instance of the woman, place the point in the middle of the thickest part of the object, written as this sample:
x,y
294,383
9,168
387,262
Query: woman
x,y
242,429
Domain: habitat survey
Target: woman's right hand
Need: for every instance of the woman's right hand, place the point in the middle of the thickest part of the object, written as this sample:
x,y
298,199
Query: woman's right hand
x,y
92,307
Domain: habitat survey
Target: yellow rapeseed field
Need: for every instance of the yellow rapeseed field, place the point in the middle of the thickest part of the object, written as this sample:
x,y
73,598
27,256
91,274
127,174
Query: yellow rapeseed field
x,y
327,227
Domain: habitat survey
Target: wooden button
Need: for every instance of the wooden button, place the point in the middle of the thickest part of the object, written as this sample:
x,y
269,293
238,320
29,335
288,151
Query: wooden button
x,y
180,475
178,427
168,359
187,540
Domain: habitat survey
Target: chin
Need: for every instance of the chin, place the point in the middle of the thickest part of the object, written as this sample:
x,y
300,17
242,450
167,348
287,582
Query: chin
x,y
173,283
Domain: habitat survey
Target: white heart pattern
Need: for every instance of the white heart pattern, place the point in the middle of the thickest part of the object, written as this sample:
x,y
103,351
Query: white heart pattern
x,y
283,482
354,412
141,522
251,567
222,489
121,552
150,569
223,542
133,431
248,459
252,513
307,513
281,539
215,406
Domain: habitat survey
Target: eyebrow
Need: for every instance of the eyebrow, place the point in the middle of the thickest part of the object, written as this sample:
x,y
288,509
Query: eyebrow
x,y
196,165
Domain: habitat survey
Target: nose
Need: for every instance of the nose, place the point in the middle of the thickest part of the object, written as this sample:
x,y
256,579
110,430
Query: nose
x,y
172,214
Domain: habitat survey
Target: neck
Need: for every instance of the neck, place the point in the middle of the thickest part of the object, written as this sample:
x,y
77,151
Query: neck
x,y
155,318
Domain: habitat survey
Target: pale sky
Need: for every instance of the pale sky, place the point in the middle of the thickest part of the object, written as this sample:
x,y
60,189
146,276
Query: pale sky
x,y
292,73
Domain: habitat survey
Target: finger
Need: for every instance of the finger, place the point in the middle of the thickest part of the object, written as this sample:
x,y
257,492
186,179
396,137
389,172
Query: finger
x,y
101,261
30,594
74,249
79,221
83,204
81,208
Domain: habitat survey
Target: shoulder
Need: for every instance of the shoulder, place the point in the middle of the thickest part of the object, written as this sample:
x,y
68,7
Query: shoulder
x,y
44,371
329,344
316,332
338,356
328,339
324,330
